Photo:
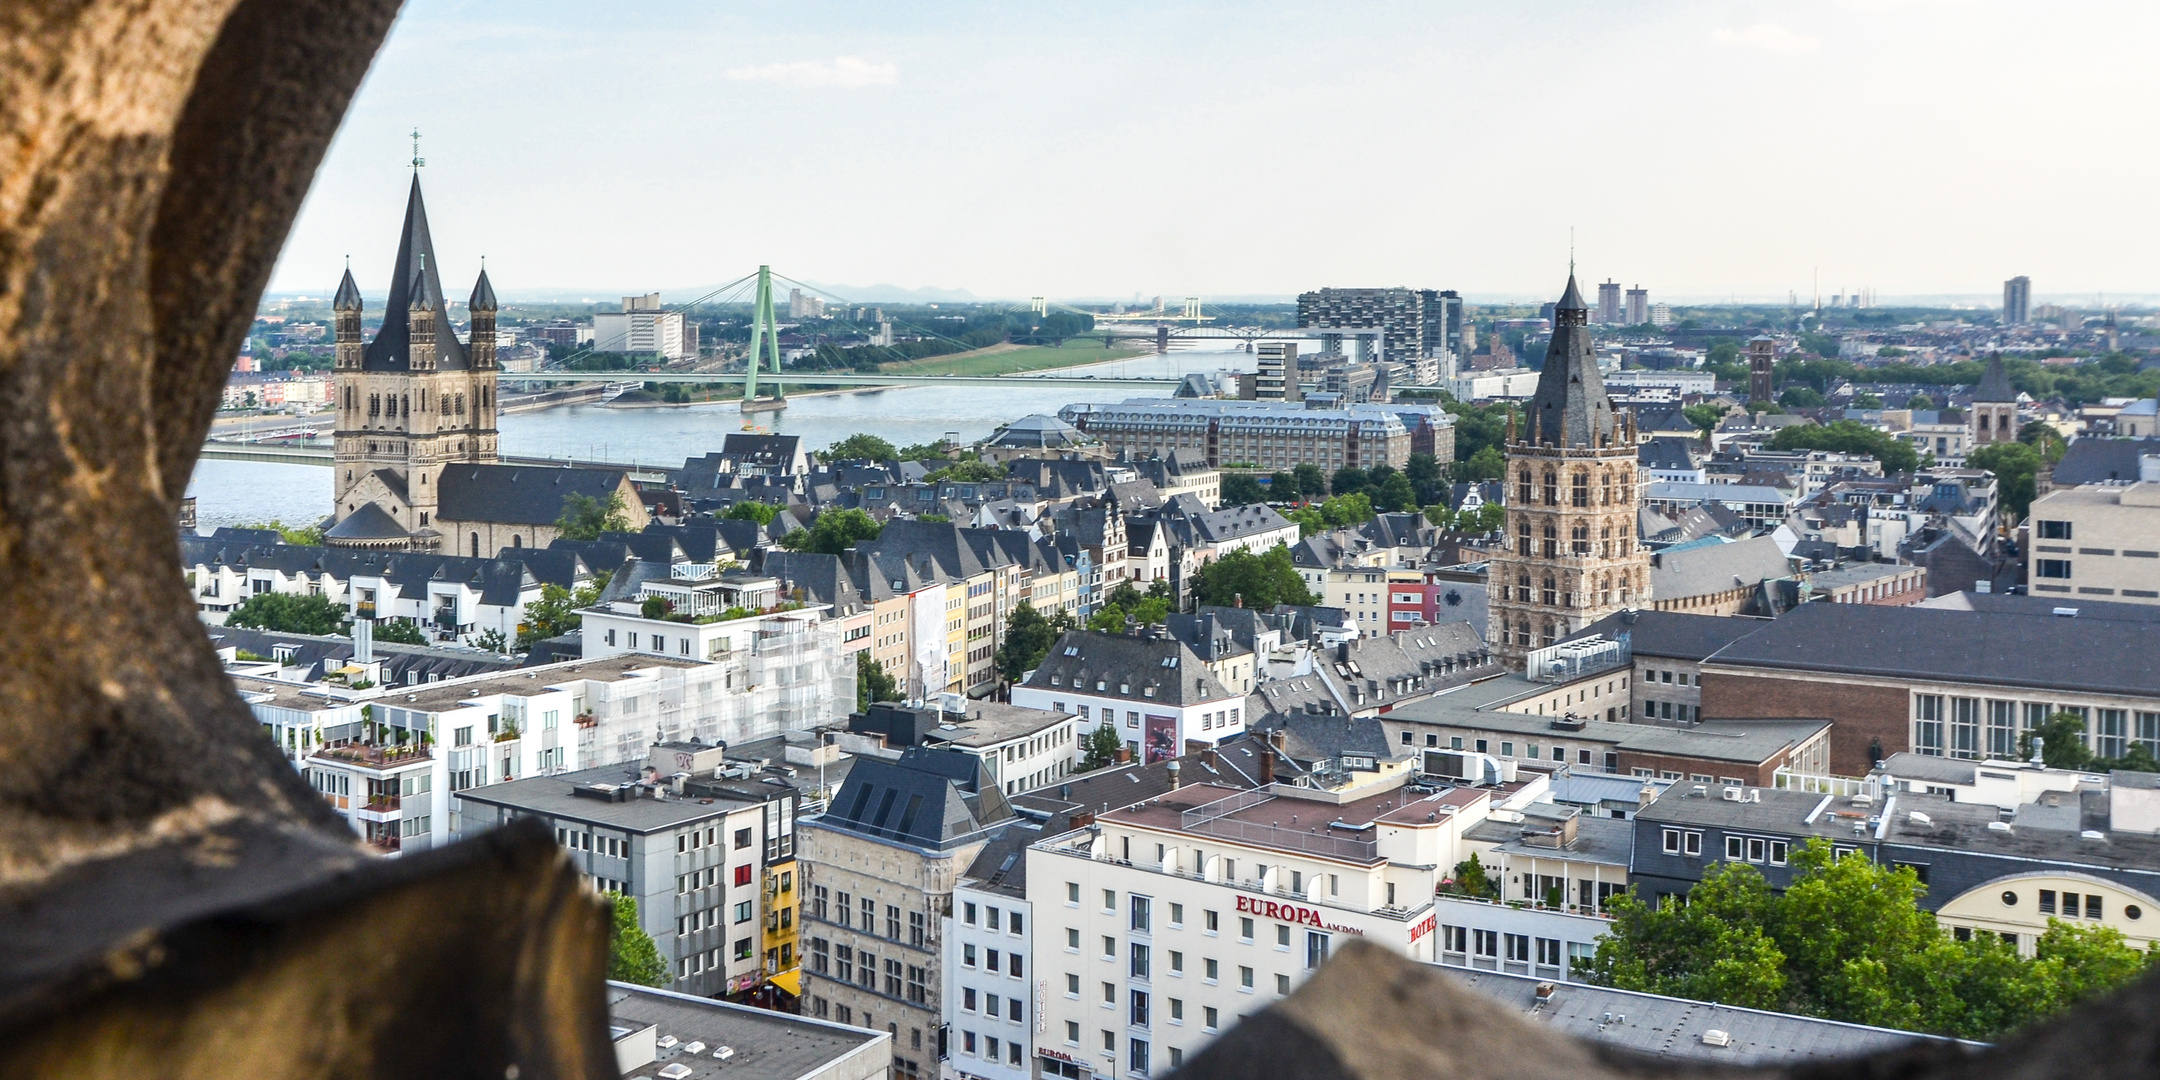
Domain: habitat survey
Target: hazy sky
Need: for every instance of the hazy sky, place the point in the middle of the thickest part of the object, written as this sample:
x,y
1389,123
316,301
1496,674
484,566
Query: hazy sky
x,y
1256,148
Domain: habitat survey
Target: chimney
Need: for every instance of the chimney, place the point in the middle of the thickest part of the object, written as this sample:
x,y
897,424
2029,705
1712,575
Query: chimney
x,y
1173,774
363,641
1082,821
1278,738
1237,600
1124,755
1207,757
1267,766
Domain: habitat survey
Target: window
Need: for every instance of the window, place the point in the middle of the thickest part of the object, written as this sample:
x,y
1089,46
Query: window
x,y
1142,914
917,931
1072,1033
1733,845
1177,914
869,915
1282,985
967,999
1109,993
1177,962
2057,569
1485,942
1209,1018
742,839
2053,530
745,874
1245,930
967,955
1109,948
1928,724
892,920
1072,985
1316,949
742,912
1072,940
1245,978
1139,961
1139,1008
1548,952
1210,922
1518,948
1109,900
1210,971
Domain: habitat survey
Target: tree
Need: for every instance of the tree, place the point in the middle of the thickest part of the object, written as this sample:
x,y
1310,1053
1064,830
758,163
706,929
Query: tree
x,y
1241,489
300,536
1311,482
585,518
871,683
400,632
491,640
1919,401
2062,742
632,956
1394,494
1140,610
1866,401
291,613
1346,480
2016,466
1851,437
1488,463
1028,637
835,531
556,612
760,512
1257,581
1343,511
1800,397
1427,481
967,472
1470,879
861,447
1705,418
1100,748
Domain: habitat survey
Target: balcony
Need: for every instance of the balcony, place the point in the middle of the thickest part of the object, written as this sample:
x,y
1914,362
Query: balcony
x,y
384,804
377,757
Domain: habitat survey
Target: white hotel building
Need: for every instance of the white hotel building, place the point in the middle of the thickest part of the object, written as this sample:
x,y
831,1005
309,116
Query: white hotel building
x,y
1160,925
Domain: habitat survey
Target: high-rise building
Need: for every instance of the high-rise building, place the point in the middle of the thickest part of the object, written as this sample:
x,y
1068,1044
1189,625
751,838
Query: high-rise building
x,y
644,328
1571,556
2017,301
1278,376
1762,366
1994,406
1458,348
1608,302
413,401
1638,306
1410,324
1661,315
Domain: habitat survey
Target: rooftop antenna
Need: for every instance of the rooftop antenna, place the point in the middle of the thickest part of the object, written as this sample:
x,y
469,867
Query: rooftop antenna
x,y
417,160
1571,251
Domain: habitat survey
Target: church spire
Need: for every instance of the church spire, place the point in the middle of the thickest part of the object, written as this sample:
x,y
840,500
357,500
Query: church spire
x,y
1570,408
348,292
483,293
414,279
1995,385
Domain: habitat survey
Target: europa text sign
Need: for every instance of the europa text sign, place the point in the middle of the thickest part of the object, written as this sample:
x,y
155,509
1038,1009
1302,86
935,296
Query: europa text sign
x,y
1290,913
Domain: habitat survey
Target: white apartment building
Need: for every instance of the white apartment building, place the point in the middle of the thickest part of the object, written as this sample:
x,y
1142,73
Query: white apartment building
x,y
990,976
2098,540
1157,692
643,329
391,761
1160,925
777,666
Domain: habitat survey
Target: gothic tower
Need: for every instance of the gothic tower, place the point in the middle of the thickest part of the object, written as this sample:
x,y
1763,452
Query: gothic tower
x,y
1571,556
1762,365
1994,406
415,399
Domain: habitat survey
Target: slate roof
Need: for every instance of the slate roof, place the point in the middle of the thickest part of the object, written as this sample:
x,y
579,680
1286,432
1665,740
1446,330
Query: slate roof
x,y
1135,495
2097,461
1570,407
1716,568
929,798
1995,385
2088,655
518,494
1671,635
1163,671
768,451
483,294
370,522
2007,604
1233,764
1670,453
348,293
416,269
1037,431
1370,674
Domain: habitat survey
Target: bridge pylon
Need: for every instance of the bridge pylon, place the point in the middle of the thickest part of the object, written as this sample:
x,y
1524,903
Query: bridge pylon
x,y
764,336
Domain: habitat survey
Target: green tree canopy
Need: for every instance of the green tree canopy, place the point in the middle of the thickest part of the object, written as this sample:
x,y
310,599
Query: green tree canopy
x,y
585,518
861,447
1258,581
556,612
977,472
1311,482
1848,941
1242,489
751,510
872,684
1488,463
298,535
1347,480
1100,748
400,632
1028,637
1800,397
2016,467
833,532
632,956
1850,437
291,613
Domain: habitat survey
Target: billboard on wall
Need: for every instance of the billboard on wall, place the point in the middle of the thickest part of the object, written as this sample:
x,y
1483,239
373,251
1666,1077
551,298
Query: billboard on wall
x,y
1159,738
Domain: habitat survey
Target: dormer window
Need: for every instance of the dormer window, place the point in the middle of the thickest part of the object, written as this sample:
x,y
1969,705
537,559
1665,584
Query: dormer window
x,y
1055,681
1124,688
1147,691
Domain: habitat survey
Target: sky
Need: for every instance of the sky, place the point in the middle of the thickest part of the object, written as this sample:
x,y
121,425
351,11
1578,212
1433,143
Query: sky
x,y
1255,149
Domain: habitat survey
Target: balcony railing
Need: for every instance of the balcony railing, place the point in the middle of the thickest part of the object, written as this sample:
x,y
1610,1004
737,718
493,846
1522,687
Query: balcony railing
x,y
383,803
377,756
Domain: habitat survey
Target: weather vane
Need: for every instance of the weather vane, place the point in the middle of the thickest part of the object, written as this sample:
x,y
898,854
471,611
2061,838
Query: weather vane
x,y
417,160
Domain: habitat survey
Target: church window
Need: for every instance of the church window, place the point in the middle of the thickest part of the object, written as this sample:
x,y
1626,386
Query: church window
x,y
348,399
1549,635
1522,633
1522,588
1581,488
516,540
1522,488
461,404
423,400
374,404
1552,541
1605,542
1579,541
406,405
1608,487
1550,594
1522,538
476,545
423,517
1552,489
1605,594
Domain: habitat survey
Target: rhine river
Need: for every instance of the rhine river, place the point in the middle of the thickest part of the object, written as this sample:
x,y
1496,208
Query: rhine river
x,y
239,492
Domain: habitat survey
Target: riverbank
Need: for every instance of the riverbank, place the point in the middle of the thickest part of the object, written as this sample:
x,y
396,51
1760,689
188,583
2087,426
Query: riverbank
x,y
1004,358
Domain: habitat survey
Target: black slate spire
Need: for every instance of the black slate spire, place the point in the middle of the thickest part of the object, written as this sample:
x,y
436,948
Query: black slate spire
x,y
1995,385
348,294
483,294
1570,407
415,272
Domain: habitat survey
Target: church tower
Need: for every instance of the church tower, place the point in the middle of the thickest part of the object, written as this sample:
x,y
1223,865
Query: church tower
x,y
411,402
1571,556
1994,406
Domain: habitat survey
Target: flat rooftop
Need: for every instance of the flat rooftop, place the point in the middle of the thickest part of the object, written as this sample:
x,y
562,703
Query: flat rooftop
x,y
641,812
989,723
765,1044
1670,1027
1267,818
436,697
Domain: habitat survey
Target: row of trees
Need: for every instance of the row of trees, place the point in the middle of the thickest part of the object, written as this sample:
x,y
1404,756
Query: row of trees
x,y
1848,941
313,613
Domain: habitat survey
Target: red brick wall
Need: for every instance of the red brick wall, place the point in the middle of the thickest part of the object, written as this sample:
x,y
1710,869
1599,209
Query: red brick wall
x,y
1859,711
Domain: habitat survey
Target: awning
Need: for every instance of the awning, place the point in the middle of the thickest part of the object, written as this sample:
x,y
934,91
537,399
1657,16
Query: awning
x,y
789,980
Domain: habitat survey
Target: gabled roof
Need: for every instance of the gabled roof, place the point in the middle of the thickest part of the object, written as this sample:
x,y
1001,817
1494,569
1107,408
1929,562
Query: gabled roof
x,y
1163,671
370,522
929,798
416,263
2095,461
1717,567
518,494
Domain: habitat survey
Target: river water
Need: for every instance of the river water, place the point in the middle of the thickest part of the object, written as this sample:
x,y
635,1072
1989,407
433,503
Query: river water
x,y
238,492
